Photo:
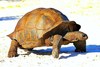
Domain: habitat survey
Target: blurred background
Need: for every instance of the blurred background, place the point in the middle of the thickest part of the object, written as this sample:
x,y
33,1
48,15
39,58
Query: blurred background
x,y
84,12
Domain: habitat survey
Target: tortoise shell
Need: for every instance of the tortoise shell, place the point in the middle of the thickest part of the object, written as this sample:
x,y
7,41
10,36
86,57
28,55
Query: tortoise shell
x,y
34,24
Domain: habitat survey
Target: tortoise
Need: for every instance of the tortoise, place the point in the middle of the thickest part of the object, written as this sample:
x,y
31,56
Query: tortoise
x,y
36,28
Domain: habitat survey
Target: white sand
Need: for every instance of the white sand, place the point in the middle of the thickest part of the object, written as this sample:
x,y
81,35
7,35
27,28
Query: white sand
x,y
68,58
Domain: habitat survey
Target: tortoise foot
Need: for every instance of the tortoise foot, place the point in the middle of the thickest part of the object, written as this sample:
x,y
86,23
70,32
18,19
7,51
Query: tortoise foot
x,y
55,53
13,49
12,54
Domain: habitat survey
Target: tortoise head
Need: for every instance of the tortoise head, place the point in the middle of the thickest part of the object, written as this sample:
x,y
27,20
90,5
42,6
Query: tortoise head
x,y
73,26
75,36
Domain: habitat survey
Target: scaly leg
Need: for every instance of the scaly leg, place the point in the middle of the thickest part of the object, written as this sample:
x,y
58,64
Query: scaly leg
x,y
13,49
56,46
80,46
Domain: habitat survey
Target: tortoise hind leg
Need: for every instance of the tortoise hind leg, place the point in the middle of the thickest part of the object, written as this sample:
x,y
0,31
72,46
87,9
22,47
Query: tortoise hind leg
x,y
80,46
13,49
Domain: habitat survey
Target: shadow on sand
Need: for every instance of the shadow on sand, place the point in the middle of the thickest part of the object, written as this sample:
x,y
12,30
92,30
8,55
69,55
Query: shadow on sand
x,y
10,18
68,50
89,49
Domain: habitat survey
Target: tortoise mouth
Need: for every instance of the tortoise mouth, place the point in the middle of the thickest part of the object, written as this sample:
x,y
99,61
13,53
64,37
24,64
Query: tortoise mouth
x,y
85,38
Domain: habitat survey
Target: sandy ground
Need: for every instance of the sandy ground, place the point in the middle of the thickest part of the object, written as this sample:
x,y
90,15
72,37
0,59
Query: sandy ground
x,y
40,57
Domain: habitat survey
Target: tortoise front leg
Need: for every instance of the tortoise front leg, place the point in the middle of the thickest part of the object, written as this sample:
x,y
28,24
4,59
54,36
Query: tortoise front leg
x,y
80,46
56,46
13,49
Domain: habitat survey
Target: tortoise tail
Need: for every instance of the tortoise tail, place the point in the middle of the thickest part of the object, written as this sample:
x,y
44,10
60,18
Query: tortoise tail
x,y
11,35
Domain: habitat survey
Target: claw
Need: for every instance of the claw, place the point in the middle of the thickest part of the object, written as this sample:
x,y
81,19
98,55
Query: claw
x,y
12,54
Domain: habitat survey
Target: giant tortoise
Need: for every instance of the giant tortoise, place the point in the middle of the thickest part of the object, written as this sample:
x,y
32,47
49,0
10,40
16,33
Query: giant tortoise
x,y
37,27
